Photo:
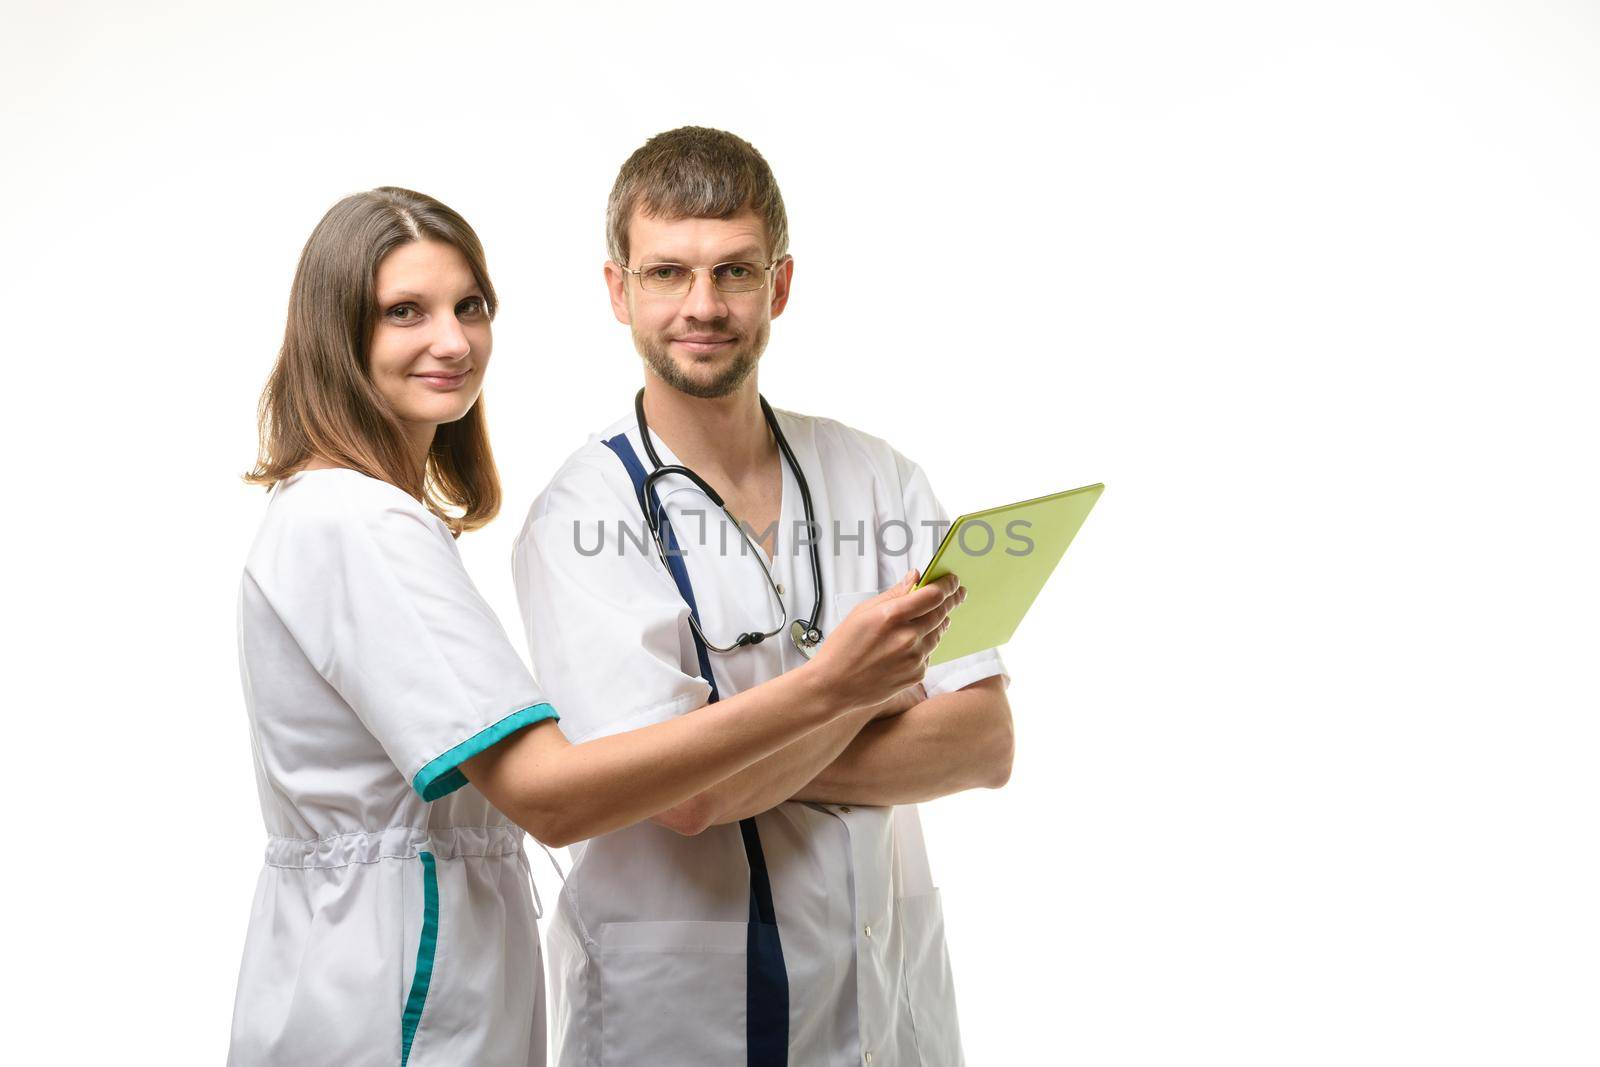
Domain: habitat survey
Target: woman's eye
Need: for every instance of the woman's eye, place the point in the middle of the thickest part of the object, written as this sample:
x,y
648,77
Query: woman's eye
x,y
403,313
473,305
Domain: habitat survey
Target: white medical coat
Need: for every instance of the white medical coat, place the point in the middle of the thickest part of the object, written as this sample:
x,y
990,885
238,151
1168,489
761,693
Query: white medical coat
x,y
651,956
392,920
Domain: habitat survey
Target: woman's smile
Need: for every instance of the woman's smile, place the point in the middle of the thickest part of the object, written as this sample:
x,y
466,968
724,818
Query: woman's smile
x,y
443,380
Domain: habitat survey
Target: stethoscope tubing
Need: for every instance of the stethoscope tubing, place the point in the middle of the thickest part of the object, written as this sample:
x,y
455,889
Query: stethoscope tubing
x,y
806,638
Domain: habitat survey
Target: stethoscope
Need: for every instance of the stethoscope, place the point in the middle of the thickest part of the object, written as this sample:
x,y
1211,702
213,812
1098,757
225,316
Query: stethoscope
x,y
804,632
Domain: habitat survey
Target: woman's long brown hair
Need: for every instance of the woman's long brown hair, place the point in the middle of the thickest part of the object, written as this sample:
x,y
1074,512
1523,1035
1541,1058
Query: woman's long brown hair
x,y
320,400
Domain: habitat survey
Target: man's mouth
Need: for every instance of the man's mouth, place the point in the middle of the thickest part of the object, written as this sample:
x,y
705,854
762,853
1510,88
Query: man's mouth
x,y
703,342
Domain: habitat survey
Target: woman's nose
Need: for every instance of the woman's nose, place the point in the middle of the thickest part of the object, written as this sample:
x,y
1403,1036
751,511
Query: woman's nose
x,y
450,340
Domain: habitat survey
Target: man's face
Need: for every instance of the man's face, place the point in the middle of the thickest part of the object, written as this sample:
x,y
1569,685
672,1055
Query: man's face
x,y
704,342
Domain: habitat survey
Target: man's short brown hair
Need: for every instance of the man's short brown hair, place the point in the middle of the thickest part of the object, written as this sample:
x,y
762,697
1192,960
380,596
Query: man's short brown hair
x,y
695,173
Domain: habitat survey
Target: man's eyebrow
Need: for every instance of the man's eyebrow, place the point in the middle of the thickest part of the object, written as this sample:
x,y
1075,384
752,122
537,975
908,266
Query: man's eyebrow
x,y
744,253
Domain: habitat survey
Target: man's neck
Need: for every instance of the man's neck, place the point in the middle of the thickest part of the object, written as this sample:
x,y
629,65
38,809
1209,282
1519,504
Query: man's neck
x,y
725,440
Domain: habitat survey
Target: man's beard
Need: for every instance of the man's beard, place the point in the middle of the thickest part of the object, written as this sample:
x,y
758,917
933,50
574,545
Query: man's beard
x,y
744,357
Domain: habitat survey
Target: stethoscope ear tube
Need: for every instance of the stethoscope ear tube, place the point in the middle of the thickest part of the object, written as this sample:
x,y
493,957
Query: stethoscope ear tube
x,y
699,483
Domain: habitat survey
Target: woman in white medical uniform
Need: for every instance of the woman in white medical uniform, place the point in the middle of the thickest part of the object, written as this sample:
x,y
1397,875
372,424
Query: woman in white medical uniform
x,y
401,746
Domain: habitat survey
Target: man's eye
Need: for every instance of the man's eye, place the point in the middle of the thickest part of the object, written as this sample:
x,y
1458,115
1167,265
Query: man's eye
x,y
735,270
666,272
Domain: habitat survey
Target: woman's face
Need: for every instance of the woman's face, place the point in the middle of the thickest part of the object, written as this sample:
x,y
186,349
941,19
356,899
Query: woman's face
x,y
431,346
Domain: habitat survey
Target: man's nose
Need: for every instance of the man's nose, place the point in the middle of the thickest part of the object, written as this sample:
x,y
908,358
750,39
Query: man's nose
x,y
703,300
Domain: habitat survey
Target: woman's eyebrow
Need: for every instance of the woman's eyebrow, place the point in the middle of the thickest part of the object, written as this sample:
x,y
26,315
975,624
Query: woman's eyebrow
x,y
474,289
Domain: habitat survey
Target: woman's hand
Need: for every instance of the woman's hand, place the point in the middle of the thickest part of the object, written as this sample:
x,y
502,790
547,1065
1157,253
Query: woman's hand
x,y
882,647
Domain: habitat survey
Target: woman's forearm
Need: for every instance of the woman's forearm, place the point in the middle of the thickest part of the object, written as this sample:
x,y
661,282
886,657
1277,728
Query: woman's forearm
x,y
561,792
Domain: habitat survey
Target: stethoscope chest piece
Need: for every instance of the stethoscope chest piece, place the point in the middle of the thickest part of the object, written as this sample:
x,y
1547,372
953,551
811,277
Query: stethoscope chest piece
x,y
806,638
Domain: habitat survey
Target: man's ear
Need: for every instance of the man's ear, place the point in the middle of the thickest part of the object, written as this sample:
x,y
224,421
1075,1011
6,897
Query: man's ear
x,y
782,274
617,285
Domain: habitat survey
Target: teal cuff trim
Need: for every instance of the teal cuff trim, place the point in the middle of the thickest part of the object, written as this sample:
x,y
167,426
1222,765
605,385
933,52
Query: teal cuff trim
x,y
426,944
443,776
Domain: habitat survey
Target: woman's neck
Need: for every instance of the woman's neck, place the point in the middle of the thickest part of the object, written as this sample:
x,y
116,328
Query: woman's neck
x,y
418,441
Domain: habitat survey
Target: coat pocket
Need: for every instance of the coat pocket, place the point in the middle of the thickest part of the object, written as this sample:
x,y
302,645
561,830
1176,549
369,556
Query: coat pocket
x,y
929,986
845,603
672,994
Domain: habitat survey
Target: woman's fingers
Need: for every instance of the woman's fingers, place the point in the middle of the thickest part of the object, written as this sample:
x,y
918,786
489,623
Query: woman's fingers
x,y
919,602
929,620
904,587
930,640
895,635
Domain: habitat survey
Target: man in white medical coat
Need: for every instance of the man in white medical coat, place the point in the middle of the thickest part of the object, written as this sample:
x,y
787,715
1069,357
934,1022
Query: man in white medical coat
x,y
788,915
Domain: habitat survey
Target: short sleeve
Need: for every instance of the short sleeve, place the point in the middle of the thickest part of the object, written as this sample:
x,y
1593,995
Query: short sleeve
x,y
607,629
373,590
928,522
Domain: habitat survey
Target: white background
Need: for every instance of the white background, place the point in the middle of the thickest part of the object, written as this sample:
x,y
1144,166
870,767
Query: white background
x,y
1307,721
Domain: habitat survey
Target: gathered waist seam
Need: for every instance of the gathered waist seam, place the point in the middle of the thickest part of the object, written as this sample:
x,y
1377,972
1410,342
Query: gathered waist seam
x,y
380,831
393,843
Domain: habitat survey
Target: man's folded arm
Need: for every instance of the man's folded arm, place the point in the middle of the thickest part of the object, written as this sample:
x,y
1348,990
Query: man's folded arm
x,y
945,744
770,782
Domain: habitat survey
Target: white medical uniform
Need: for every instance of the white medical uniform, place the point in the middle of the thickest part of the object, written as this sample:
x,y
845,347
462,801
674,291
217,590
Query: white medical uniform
x,y
392,921
654,949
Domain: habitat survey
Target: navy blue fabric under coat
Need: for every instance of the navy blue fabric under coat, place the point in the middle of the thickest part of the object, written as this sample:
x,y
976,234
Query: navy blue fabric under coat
x,y
767,979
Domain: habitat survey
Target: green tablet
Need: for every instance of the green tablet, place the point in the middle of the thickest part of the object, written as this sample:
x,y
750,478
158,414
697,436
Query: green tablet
x,y
1004,555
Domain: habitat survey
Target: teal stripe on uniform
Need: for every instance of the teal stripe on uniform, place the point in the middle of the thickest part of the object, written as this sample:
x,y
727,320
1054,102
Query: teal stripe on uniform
x,y
425,948
443,776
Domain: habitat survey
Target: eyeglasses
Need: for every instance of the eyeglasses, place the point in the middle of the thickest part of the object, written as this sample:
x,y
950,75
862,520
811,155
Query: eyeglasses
x,y
675,279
